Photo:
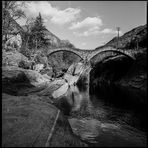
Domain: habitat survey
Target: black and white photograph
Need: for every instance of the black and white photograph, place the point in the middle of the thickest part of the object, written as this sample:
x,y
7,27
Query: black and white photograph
x,y
74,73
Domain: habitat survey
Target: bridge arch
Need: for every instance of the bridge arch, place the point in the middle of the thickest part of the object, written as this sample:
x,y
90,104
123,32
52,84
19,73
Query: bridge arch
x,y
104,72
112,51
75,51
90,54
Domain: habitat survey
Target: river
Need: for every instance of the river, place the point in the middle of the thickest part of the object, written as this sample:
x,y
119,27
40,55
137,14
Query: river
x,y
99,121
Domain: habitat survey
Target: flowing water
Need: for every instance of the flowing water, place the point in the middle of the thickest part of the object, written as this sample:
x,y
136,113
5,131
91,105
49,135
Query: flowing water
x,y
100,122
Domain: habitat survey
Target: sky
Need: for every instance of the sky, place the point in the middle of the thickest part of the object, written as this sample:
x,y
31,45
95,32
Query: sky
x,y
88,24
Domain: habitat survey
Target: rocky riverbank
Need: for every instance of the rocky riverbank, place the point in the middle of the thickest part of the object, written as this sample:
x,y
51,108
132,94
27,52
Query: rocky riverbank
x,y
29,110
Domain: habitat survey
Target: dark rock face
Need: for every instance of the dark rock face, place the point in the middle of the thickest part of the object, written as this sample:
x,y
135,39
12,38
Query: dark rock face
x,y
122,83
13,80
136,78
124,73
130,76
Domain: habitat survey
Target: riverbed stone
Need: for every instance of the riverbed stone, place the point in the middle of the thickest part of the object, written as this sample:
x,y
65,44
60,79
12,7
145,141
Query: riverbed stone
x,y
105,134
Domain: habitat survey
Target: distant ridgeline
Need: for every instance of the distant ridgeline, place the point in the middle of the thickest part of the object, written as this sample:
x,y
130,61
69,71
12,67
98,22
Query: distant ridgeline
x,y
136,38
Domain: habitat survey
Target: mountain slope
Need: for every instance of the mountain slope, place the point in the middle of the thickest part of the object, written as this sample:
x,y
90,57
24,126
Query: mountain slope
x,y
132,39
55,41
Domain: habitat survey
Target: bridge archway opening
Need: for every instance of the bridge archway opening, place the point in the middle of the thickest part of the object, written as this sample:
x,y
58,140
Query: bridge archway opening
x,y
61,60
111,52
107,72
69,51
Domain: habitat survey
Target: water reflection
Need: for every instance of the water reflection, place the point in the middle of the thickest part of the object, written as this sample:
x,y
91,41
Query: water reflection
x,y
91,119
74,97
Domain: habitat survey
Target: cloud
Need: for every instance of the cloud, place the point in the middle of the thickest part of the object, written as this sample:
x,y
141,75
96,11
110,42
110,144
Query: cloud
x,y
54,14
96,31
83,44
89,22
108,31
90,26
65,16
91,31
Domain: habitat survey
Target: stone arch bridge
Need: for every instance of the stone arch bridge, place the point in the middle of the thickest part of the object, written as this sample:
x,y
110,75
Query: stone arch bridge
x,y
89,54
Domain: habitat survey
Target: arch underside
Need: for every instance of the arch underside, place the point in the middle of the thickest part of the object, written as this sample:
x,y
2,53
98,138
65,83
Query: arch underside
x,y
108,53
110,65
66,51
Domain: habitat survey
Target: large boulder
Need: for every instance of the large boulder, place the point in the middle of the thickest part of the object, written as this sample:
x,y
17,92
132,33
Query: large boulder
x,y
135,81
13,73
36,78
75,69
61,91
73,73
14,80
13,58
71,79
27,121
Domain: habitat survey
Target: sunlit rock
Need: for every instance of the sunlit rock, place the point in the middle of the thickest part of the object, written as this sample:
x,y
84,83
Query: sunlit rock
x,y
58,82
75,69
78,69
71,79
61,91
38,67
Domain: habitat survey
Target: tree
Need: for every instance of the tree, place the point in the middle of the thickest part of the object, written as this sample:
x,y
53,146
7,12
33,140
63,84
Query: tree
x,y
27,49
38,30
11,11
28,26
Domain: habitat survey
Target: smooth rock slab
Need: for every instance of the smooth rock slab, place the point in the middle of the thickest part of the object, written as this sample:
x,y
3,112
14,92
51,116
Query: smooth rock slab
x,y
87,129
35,78
27,122
106,134
24,119
61,91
